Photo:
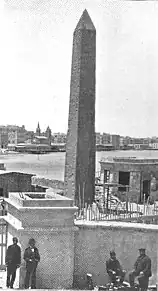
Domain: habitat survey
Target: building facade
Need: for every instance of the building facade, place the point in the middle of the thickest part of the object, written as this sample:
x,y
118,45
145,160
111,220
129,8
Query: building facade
x,y
14,181
98,138
106,138
59,138
115,141
3,140
134,177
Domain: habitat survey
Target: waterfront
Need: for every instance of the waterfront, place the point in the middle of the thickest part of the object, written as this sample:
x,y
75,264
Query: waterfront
x,y
52,165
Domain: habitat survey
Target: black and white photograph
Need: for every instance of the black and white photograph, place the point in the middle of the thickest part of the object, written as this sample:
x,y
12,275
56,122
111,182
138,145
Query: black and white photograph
x,y
79,145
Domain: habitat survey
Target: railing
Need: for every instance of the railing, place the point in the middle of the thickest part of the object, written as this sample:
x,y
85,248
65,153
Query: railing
x,y
132,213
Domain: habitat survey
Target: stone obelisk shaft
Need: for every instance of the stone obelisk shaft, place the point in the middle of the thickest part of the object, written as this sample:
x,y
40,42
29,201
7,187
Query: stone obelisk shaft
x,y
80,148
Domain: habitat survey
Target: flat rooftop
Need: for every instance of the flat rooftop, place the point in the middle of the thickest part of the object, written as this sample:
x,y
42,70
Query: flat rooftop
x,y
130,160
5,172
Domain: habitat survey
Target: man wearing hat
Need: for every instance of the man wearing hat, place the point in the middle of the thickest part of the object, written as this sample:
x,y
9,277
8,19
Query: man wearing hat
x,y
142,270
32,257
13,261
114,268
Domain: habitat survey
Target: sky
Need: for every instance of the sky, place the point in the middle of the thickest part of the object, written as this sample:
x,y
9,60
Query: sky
x,y
35,63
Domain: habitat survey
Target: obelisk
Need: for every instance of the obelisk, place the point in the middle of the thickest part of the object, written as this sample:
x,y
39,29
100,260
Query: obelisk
x,y
80,147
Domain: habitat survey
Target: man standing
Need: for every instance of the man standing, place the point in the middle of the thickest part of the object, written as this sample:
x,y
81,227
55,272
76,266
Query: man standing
x,y
13,261
32,257
114,268
142,270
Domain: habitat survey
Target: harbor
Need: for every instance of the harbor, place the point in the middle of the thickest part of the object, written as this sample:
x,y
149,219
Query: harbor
x,y
52,165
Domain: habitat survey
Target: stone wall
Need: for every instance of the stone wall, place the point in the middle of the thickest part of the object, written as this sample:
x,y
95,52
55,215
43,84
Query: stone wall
x,y
66,250
56,248
94,240
49,183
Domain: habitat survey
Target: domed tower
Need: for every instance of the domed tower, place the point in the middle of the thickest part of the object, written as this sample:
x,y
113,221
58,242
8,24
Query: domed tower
x,y
48,134
38,130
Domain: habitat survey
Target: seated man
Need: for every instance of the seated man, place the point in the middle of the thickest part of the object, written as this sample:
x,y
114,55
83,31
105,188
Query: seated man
x,y
142,270
114,268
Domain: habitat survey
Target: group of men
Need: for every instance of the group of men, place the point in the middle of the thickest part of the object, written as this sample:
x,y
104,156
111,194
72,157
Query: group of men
x,y
142,266
13,261
142,270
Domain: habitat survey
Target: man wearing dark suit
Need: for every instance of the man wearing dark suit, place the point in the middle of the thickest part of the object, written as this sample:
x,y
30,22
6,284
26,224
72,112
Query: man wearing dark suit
x,y
142,270
32,257
13,261
114,268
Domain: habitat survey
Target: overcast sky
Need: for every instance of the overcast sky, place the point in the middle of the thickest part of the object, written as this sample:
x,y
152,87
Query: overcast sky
x,y
35,63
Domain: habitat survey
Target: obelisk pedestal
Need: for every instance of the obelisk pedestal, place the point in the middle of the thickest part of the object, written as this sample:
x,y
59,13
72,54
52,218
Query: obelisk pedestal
x,y
50,221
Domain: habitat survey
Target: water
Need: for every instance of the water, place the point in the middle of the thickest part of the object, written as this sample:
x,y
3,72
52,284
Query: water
x,y
52,165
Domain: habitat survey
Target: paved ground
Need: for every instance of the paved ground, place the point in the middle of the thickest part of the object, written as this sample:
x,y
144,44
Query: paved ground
x,y
3,276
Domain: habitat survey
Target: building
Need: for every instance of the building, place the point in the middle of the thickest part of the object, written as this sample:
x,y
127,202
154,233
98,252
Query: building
x,y
34,148
13,137
29,136
14,181
17,181
18,135
124,141
43,140
3,140
115,141
154,145
139,143
38,130
134,175
48,134
106,138
141,146
98,138
35,143
58,138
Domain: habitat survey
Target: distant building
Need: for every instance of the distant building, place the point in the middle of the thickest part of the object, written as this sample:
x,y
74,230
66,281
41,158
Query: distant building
x,y
18,135
43,140
29,136
154,145
124,141
115,141
12,137
34,148
106,138
98,138
141,146
48,134
3,140
139,143
38,130
59,138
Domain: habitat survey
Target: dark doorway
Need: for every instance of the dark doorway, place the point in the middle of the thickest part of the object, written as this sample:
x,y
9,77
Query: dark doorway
x,y
1,192
146,189
124,178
